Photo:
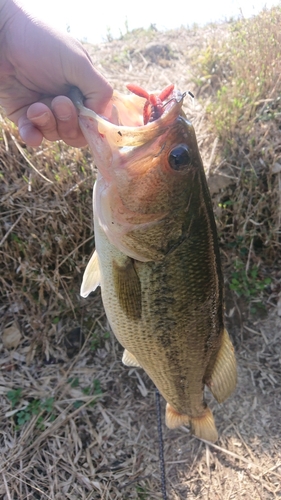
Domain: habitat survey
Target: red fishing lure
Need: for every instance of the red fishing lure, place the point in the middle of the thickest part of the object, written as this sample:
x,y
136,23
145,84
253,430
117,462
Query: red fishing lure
x,y
154,106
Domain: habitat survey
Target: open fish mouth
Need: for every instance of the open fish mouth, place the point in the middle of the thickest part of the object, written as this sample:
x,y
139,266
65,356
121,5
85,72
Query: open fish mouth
x,y
134,110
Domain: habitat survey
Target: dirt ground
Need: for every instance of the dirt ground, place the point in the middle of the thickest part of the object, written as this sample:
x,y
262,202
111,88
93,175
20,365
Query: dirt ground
x,y
92,431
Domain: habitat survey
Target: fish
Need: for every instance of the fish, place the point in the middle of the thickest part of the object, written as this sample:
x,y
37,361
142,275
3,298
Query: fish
x,y
156,256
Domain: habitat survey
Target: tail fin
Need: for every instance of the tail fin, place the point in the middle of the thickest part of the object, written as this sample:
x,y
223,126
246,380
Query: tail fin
x,y
203,427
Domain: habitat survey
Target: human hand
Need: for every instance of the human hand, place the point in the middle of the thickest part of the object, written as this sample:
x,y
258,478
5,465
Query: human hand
x,y
38,66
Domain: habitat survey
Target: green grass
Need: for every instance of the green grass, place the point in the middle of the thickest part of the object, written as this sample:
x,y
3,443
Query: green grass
x,y
247,283
43,409
94,389
142,495
97,340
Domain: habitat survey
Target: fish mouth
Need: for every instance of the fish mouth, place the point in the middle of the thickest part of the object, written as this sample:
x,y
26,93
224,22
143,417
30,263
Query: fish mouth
x,y
126,119
134,115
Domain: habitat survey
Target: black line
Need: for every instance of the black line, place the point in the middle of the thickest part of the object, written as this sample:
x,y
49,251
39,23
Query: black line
x,y
161,445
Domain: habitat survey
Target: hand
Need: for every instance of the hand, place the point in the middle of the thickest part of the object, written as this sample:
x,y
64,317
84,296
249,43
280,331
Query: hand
x,y
38,66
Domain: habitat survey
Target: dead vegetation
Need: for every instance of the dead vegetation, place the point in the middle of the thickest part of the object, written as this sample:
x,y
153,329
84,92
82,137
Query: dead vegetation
x,y
75,423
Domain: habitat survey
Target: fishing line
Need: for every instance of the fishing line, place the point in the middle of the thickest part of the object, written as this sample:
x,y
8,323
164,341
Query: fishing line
x,y
161,445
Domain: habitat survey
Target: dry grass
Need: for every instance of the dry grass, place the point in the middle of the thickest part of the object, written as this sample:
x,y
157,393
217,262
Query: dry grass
x,y
75,423
239,76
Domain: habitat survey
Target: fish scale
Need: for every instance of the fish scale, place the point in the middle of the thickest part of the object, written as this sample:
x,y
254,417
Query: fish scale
x,y
157,257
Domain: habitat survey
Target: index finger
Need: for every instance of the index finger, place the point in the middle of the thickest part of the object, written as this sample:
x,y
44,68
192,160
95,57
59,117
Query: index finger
x,y
96,90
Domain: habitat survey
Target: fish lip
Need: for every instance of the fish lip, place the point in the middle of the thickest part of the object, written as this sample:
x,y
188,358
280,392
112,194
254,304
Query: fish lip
x,y
172,107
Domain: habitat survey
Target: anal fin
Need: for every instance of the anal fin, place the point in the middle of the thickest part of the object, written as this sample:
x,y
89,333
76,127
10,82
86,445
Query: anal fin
x,y
174,419
91,277
223,378
203,427
129,359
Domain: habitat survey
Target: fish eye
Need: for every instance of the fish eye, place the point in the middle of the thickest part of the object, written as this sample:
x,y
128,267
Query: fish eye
x,y
179,158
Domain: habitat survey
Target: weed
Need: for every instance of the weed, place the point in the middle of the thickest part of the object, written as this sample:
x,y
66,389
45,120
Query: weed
x,y
48,405
43,408
77,404
97,387
98,340
142,495
247,284
95,342
14,397
73,381
93,389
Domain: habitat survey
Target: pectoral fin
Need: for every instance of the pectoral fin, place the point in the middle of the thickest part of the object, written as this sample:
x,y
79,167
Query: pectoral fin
x,y
128,288
91,277
129,359
223,378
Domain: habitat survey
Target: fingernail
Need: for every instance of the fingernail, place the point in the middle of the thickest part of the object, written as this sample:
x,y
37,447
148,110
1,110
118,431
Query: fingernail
x,y
41,120
62,112
30,135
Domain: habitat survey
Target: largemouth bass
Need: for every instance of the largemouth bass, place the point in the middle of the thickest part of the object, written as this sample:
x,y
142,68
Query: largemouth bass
x,y
157,257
